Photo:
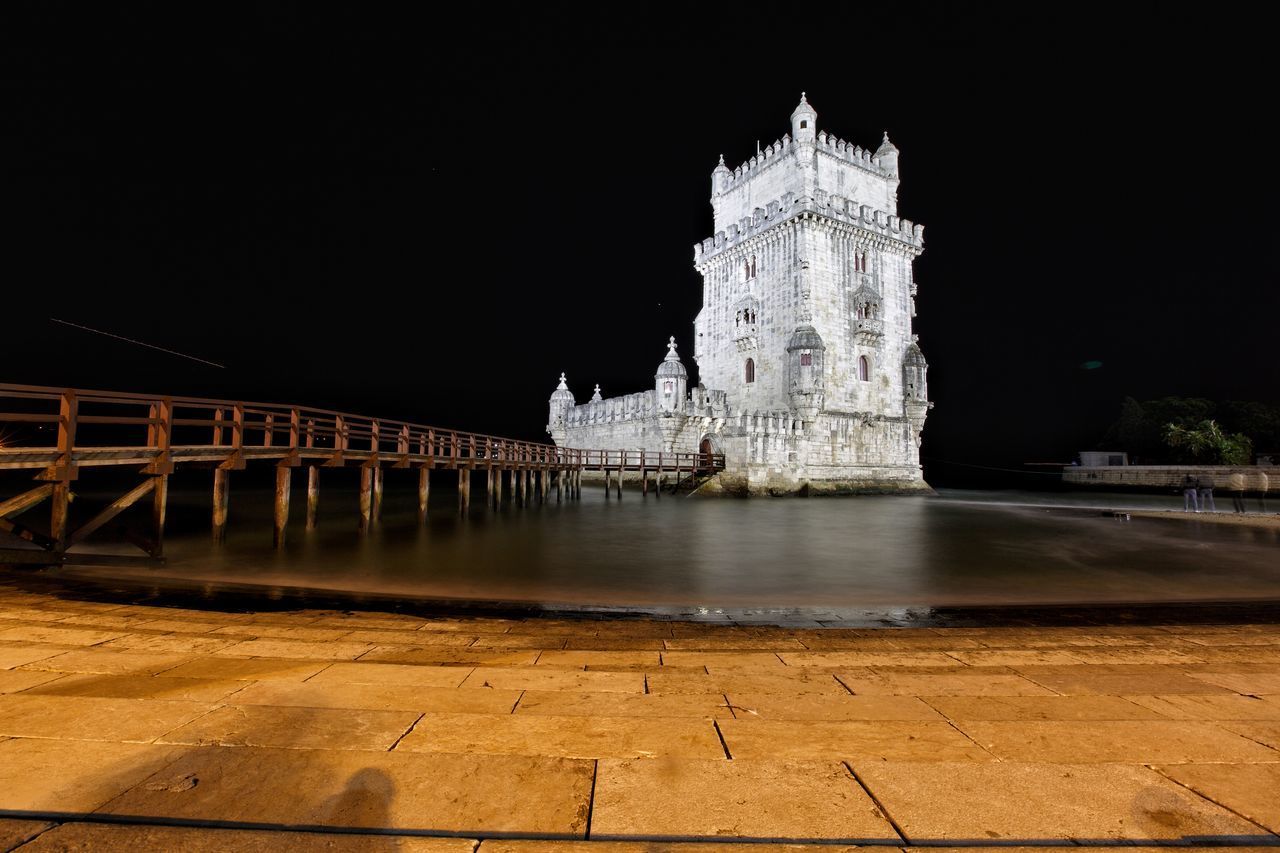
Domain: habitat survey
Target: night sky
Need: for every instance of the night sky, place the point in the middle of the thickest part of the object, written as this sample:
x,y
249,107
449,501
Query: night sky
x,y
429,219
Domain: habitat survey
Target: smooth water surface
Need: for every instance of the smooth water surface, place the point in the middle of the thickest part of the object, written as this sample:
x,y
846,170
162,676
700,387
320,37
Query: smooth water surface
x,y
961,548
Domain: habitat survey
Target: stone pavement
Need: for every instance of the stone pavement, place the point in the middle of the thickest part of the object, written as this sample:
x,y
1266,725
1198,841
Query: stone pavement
x,y
164,728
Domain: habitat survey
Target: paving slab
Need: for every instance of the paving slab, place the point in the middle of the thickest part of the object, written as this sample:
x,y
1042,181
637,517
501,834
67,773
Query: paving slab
x,y
385,790
567,703
794,681
378,697
101,836
742,644
69,776
55,635
1247,789
295,728
550,678
599,659
409,638
1102,681
941,684
726,662
565,737
303,649
14,655
1216,707
17,680
509,846
1016,657
177,643
1252,683
811,706
1042,708
450,656
884,740
776,800
92,718
847,659
195,625
1144,741
246,669
1266,733
103,662
281,632
391,674
615,644
16,832
207,690
1014,802
1232,638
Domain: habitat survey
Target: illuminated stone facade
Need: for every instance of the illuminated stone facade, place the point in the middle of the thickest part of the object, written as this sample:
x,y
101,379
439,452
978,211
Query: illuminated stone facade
x,y
810,376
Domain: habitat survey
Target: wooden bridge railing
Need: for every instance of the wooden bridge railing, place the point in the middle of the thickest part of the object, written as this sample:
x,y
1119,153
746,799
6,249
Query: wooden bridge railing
x,y
58,431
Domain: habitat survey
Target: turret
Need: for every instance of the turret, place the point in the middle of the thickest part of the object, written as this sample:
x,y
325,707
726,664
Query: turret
x,y
561,402
805,353
671,381
804,122
720,178
887,156
914,370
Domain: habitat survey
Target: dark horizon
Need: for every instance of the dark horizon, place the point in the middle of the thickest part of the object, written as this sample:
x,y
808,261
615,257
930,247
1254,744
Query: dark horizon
x,y
390,217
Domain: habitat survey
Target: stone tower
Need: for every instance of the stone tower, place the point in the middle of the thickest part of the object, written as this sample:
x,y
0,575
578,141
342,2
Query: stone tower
x,y
810,376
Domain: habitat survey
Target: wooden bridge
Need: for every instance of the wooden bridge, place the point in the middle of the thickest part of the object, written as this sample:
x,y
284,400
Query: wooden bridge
x,y
60,431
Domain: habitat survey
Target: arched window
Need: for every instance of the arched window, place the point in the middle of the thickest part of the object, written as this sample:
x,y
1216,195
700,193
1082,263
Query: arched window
x,y
864,368
806,359
753,266
750,371
746,268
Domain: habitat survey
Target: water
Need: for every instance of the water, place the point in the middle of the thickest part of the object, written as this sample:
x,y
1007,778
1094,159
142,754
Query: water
x,y
827,554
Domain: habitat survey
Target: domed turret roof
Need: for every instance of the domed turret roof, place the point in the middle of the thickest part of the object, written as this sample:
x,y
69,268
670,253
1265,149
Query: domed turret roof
x,y
804,108
562,392
671,365
805,337
913,354
886,146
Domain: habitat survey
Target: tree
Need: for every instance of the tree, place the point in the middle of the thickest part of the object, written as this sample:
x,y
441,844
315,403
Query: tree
x,y
1206,443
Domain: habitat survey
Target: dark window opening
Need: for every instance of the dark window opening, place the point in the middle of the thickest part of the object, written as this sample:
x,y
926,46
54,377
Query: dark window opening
x,y
751,370
806,359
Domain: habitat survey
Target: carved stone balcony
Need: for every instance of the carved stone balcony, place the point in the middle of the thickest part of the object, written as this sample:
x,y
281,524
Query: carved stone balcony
x,y
868,330
744,336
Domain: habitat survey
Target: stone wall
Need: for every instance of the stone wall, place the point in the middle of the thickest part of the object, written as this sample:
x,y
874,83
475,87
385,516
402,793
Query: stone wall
x,y
1169,476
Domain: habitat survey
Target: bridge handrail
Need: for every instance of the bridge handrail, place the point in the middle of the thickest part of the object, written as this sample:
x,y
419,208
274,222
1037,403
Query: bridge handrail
x,y
298,427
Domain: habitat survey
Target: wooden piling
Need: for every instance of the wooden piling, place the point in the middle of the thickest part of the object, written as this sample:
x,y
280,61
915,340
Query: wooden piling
x,y
283,482
545,483
221,483
158,506
313,495
377,495
464,490
619,484
366,498
424,493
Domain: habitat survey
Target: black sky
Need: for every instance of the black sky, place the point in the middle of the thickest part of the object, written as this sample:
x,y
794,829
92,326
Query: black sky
x,y
426,218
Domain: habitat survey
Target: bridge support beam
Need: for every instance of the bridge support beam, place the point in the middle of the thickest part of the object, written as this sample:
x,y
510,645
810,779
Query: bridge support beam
x,y
221,494
159,506
377,495
313,495
464,490
543,478
366,499
424,493
528,479
644,481
618,485
284,479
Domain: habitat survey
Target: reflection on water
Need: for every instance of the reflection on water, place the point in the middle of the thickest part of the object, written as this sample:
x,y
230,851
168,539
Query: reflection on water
x,y
960,548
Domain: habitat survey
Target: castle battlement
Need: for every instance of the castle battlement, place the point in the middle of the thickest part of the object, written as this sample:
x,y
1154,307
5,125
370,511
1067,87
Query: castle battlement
x,y
826,143
877,222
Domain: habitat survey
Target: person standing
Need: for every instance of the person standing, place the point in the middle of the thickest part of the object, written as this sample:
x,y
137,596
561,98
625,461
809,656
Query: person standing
x,y
1236,484
1205,488
1189,500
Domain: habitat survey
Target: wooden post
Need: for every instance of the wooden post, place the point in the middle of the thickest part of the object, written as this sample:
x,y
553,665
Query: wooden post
x,y
424,492
283,482
221,477
313,479
464,489
377,495
313,495
657,481
546,484
528,479
366,489
158,506
607,476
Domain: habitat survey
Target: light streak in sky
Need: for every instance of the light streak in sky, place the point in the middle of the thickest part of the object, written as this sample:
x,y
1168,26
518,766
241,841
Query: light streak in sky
x,y
139,343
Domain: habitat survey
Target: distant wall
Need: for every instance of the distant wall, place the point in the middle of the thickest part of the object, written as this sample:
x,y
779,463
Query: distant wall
x,y
1170,476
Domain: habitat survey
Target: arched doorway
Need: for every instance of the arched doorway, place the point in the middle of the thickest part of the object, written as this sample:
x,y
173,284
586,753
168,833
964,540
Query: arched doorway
x,y
707,448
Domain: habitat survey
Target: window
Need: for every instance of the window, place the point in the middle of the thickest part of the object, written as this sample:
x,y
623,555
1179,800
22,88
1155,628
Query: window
x,y
806,359
668,387
753,266
750,370
803,124
864,368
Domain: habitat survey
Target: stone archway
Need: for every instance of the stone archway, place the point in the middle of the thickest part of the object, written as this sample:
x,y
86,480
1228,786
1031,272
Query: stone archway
x,y
709,444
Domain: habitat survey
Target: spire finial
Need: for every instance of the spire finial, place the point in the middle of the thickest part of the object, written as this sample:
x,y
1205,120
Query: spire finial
x,y
595,396
671,349
886,138
563,386
721,159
